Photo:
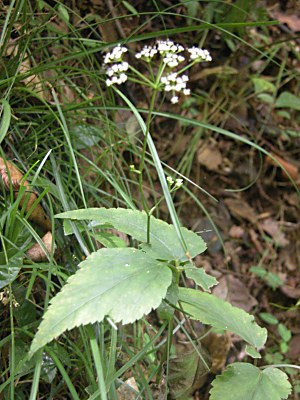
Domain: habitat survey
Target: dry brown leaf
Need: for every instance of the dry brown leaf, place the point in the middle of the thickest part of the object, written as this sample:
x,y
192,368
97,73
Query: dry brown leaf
x,y
292,20
218,346
15,178
210,156
273,229
290,291
236,232
32,81
240,209
234,291
128,390
294,348
221,70
290,168
188,372
36,252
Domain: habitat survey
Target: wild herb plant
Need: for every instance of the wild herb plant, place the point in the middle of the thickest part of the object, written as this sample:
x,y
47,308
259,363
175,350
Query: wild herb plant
x,y
45,133
122,284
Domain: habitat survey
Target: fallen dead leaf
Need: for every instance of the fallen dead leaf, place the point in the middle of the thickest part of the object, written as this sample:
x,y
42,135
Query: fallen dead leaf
x,y
274,230
294,349
218,346
188,372
15,178
287,165
36,252
292,20
290,291
128,390
209,155
234,291
240,209
236,232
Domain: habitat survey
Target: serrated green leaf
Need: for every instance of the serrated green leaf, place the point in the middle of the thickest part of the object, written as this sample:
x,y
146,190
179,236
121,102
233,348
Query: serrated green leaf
x,y
288,100
247,382
220,314
252,352
200,277
109,240
82,226
123,284
163,238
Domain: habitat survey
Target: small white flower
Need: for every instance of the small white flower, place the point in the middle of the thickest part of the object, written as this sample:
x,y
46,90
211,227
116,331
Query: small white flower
x,y
198,54
115,55
178,183
123,66
147,53
123,78
170,180
175,84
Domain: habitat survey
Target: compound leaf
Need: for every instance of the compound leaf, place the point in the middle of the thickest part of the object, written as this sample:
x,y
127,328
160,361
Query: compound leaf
x,y
214,311
123,284
247,382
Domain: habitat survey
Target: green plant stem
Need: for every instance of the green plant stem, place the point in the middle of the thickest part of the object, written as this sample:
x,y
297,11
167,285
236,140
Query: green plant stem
x,y
12,351
98,363
65,375
280,366
159,170
36,375
143,156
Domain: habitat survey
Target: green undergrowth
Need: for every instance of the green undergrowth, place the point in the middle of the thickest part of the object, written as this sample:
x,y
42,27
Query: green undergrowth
x,y
79,323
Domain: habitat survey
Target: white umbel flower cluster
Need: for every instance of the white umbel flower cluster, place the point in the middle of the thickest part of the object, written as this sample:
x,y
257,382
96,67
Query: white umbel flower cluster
x,y
170,55
167,46
147,53
175,84
115,55
116,72
197,54
169,50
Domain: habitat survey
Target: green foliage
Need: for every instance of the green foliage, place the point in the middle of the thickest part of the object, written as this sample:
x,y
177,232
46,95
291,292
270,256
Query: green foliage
x,y
200,277
9,272
164,243
52,79
5,119
272,279
123,284
288,100
247,382
214,311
